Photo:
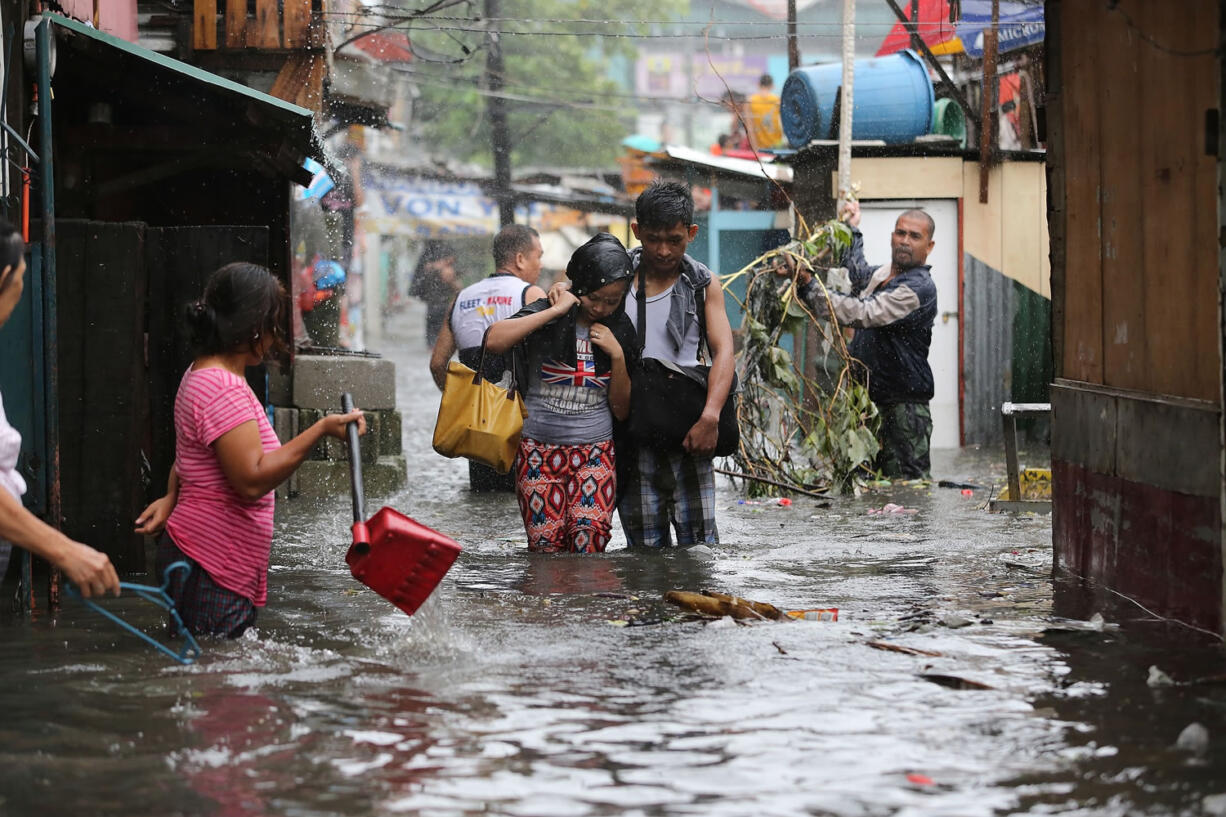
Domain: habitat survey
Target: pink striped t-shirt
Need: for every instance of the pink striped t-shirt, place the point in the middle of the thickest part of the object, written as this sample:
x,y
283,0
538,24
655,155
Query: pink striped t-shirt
x,y
229,536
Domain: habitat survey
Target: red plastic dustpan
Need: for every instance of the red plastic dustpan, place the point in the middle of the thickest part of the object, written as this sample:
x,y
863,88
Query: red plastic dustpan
x,y
399,558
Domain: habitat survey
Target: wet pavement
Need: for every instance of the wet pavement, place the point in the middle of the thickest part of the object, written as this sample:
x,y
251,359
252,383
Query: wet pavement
x,y
565,685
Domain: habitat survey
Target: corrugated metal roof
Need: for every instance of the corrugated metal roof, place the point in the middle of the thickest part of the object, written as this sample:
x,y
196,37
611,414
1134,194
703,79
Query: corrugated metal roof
x,y
767,169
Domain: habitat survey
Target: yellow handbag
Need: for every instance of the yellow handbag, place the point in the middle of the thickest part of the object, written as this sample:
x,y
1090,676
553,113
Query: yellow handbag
x,y
478,419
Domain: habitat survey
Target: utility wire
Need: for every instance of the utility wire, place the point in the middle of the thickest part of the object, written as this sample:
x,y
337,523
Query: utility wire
x,y
554,93
513,97
427,24
701,24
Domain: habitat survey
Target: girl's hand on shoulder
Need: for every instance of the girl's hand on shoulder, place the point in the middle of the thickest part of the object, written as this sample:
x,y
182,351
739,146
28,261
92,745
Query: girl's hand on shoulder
x,y
153,519
603,338
564,302
335,424
557,290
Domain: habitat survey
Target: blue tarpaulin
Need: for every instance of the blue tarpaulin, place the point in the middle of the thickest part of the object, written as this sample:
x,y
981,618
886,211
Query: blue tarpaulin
x,y
320,184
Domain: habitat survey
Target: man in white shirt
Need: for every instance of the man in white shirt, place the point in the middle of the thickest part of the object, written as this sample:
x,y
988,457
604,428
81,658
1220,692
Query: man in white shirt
x,y
517,266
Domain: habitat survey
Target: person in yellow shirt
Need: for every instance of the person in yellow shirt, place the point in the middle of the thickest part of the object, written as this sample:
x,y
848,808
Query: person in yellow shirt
x,y
765,129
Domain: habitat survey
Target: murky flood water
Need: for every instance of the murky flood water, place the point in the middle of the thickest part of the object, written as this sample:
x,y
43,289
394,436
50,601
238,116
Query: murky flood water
x,y
566,686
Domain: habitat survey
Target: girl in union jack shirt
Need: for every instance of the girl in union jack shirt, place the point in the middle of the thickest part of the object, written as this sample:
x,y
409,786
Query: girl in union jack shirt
x,y
574,372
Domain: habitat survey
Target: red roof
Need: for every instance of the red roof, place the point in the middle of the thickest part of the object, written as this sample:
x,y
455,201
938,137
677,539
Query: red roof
x,y
386,46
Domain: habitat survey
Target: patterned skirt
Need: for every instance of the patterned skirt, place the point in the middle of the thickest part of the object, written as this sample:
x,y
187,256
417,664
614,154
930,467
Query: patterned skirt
x,y
566,495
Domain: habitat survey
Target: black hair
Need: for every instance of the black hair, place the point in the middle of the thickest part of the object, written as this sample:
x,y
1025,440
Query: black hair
x,y
664,204
596,264
765,81
922,215
242,303
12,249
510,241
434,251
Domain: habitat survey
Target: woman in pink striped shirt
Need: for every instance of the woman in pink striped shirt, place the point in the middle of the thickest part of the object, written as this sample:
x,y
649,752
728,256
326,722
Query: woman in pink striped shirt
x,y
217,513
89,569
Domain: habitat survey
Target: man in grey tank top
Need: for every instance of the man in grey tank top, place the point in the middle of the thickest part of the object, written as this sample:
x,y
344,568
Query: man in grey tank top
x,y
675,488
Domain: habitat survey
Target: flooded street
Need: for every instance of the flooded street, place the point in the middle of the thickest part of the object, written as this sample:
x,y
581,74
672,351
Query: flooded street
x,y
547,685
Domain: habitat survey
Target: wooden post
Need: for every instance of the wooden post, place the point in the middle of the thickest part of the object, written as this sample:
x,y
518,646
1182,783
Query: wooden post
x,y
987,104
846,96
51,347
1221,175
236,23
204,25
793,45
1053,97
297,15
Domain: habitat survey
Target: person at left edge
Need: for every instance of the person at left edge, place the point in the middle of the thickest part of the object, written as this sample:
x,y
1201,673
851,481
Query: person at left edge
x,y
217,513
576,376
517,267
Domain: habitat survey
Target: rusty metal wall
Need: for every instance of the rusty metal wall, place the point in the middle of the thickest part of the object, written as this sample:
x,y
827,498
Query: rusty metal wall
x,y
987,326
1006,351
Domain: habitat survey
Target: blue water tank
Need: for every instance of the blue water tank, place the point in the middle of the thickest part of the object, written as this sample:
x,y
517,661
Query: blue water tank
x,y
892,100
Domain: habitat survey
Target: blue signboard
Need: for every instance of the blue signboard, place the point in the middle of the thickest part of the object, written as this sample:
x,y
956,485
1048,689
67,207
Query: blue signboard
x,y
1020,25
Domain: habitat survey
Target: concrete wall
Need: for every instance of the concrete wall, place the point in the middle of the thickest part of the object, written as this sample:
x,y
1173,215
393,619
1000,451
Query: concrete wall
x,y
1136,500
116,17
1008,233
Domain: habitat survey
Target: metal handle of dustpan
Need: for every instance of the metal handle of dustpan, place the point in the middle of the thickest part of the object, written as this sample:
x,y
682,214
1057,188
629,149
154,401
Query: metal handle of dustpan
x,y
355,472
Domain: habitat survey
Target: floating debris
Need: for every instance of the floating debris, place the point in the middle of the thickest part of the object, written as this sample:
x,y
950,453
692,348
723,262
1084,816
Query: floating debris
x,y
1158,678
885,645
891,508
954,682
815,614
721,604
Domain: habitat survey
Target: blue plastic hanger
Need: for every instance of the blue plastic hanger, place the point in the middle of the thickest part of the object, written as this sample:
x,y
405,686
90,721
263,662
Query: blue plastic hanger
x,y
190,650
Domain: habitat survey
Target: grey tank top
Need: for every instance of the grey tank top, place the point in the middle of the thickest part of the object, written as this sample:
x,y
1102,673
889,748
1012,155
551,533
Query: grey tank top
x,y
657,343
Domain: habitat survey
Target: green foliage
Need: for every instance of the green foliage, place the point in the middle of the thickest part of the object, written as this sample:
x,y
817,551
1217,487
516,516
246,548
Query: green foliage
x,y
815,430
563,109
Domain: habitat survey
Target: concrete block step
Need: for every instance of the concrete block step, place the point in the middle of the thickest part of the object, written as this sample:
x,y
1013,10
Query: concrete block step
x,y
320,379
383,477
